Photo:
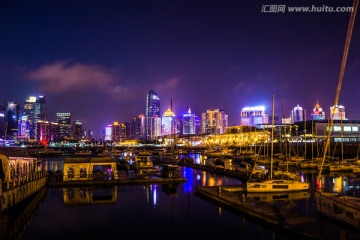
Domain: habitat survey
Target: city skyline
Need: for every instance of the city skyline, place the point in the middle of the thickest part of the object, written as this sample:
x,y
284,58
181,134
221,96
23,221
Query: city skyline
x,y
97,60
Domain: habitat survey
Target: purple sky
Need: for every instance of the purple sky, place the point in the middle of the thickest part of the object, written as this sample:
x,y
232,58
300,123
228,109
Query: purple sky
x,y
98,59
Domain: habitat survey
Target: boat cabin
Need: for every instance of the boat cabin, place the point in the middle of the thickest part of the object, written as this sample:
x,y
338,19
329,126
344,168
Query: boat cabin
x,y
93,168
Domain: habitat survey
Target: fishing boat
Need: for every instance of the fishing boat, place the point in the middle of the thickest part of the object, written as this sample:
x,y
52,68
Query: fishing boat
x,y
345,209
275,185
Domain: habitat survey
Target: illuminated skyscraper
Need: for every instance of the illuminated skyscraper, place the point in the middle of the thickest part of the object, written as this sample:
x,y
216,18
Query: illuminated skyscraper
x,y
318,113
214,121
64,121
2,120
35,110
138,127
297,114
12,118
168,123
77,129
108,136
251,116
188,122
152,110
338,112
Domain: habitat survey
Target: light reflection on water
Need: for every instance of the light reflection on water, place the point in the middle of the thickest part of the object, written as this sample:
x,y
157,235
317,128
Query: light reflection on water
x,y
160,210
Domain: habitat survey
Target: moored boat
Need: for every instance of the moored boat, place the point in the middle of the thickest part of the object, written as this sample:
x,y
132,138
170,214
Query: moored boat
x,y
344,209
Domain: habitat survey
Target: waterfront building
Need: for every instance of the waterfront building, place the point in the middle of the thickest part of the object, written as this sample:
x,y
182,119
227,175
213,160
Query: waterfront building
x,y
342,130
168,122
297,114
153,125
251,116
35,110
236,136
338,112
64,121
214,121
318,113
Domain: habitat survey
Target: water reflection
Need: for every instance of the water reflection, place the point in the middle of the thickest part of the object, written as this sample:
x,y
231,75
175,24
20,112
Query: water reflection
x,y
89,195
167,209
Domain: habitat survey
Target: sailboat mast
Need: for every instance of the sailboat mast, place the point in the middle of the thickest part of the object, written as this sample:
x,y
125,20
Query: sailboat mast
x,y
272,137
340,79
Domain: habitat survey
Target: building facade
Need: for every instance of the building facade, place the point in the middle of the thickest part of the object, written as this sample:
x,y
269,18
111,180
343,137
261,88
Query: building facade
x,y
251,116
35,110
338,112
153,119
64,121
318,113
214,121
168,122
297,114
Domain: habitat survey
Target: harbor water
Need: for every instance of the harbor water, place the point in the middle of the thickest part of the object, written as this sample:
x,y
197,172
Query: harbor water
x,y
161,211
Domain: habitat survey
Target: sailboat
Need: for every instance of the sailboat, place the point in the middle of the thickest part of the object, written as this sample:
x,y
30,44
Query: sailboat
x,y
272,185
345,209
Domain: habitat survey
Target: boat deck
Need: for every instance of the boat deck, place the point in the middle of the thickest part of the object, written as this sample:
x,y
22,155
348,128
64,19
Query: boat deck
x,y
288,222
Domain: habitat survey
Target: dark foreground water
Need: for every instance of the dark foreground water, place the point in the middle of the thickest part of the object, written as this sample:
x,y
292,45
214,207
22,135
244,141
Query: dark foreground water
x,y
136,212
156,211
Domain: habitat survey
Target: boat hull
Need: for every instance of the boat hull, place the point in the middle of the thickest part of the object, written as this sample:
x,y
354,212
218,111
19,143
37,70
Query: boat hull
x,y
345,209
272,186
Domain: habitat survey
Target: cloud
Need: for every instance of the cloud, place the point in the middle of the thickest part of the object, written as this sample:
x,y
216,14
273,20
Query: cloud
x,y
169,85
62,77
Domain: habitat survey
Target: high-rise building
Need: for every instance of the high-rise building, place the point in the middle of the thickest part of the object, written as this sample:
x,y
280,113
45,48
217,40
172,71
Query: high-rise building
x,y
138,127
318,113
214,121
2,120
152,110
35,110
77,129
125,131
338,112
251,116
116,133
168,123
24,128
155,122
297,114
64,121
12,119
108,135
188,123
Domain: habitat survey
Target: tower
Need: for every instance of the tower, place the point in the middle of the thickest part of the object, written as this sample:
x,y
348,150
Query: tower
x,y
35,110
152,114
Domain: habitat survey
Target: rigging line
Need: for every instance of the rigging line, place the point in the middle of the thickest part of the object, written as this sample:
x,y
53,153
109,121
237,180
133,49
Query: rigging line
x,y
340,79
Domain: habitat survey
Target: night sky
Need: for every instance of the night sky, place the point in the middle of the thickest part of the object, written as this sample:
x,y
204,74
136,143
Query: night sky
x,y
98,59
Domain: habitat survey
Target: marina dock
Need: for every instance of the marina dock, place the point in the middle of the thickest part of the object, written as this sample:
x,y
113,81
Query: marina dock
x,y
277,217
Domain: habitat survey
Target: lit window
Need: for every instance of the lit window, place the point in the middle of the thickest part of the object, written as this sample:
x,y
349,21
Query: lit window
x,y
347,128
355,129
337,128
